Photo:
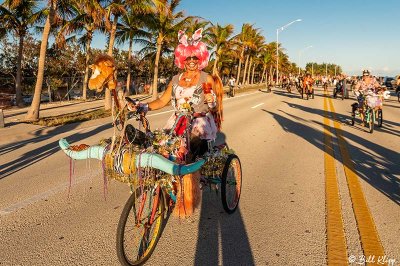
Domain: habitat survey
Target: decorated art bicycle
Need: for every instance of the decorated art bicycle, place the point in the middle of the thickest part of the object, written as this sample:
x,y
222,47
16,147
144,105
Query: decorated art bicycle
x,y
369,107
164,168
369,103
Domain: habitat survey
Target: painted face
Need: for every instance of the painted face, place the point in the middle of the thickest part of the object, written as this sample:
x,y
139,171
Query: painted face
x,y
192,63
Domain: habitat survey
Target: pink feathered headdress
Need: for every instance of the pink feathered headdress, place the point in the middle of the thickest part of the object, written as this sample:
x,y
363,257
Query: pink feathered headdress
x,y
191,47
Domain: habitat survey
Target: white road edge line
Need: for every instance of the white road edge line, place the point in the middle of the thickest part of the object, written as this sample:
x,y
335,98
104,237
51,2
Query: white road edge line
x,y
255,106
44,195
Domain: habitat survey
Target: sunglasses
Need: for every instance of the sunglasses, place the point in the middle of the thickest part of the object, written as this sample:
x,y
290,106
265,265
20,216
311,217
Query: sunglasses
x,y
194,58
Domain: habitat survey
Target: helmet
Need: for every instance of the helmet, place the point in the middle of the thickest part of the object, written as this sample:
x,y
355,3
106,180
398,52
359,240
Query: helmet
x,y
365,72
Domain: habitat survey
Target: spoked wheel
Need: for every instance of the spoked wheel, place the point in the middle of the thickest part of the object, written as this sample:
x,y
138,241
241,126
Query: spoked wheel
x,y
379,117
353,117
231,183
371,121
140,226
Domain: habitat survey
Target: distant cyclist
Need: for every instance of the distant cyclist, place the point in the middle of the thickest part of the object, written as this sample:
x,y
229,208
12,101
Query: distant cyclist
x,y
366,83
231,84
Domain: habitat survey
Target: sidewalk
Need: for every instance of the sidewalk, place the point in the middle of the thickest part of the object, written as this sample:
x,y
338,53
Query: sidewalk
x,y
16,130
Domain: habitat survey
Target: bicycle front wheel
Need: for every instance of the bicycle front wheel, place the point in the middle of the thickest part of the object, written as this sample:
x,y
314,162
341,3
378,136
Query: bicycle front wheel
x,y
371,121
231,183
140,226
379,117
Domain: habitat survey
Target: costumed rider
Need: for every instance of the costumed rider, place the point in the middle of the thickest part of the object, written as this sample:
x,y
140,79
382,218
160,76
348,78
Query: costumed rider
x,y
192,91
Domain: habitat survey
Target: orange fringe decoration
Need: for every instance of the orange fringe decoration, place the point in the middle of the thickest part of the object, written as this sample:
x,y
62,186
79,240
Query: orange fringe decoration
x,y
219,92
188,196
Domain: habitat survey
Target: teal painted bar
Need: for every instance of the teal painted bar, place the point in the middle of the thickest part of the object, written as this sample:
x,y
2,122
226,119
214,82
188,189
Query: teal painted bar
x,y
161,163
93,152
146,159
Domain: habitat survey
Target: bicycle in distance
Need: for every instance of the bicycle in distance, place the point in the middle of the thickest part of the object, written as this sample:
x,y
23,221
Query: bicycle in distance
x,y
369,108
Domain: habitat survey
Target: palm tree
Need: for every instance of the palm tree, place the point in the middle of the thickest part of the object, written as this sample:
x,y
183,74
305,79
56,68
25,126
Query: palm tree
x,y
251,40
131,30
17,16
88,18
164,22
220,38
255,50
53,7
240,41
115,8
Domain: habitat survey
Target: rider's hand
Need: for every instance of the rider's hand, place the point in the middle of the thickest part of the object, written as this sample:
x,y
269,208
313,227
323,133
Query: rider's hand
x,y
131,104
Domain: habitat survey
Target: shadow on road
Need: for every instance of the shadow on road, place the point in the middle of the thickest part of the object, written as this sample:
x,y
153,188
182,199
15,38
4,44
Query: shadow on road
x,y
374,163
42,152
293,94
219,229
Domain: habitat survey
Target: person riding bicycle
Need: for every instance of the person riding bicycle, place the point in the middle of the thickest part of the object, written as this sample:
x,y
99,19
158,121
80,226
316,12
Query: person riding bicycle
x,y
308,82
324,81
198,93
362,87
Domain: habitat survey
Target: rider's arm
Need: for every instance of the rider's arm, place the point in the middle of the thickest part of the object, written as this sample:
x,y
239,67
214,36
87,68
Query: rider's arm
x,y
163,100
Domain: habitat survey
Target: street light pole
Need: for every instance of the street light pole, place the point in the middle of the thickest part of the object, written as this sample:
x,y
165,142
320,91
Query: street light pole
x,y
277,45
300,52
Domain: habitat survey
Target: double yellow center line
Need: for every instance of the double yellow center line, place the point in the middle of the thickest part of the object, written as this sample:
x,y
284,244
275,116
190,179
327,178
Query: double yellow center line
x,y
336,243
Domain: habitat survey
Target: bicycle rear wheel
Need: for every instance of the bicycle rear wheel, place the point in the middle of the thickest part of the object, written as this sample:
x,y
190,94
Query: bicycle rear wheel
x,y
231,183
140,226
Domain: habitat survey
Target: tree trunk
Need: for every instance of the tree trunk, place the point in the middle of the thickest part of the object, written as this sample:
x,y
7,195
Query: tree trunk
x,y
245,69
128,78
240,65
249,70
215,70
252,74
86,78
48,89
270,75
18,87
263,73
155,79
107,93
33,112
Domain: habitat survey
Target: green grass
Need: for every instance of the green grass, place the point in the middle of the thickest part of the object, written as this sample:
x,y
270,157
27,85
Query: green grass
x,y
72,118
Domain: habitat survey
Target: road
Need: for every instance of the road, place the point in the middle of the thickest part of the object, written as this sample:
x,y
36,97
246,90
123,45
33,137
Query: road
x,y
315,190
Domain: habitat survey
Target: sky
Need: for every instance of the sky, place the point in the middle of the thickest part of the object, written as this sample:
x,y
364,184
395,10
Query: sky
x,y
355,34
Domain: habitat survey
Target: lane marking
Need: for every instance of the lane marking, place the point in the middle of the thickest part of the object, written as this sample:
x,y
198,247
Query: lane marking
x,y
255,106
46,194
336,240
369,237
239,96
